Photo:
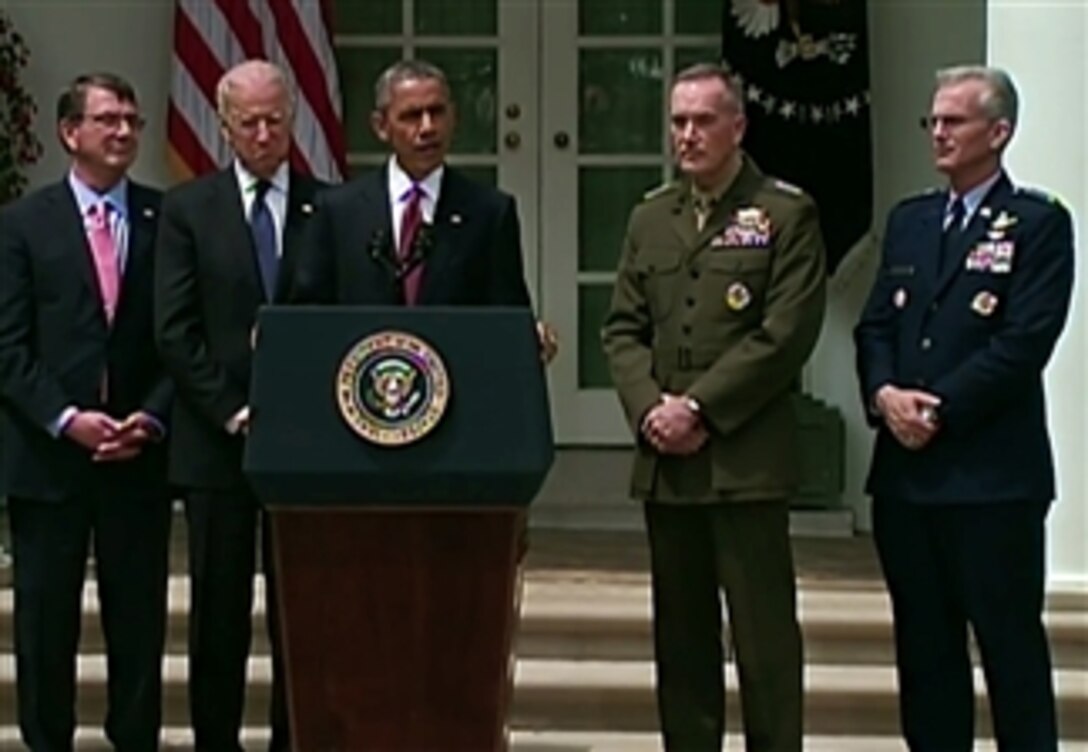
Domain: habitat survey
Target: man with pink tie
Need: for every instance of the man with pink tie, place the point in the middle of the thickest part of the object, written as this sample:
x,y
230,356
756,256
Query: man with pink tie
x,y
84,401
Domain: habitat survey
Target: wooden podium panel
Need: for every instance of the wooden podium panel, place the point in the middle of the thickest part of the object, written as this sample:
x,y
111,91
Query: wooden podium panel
x,y
398,625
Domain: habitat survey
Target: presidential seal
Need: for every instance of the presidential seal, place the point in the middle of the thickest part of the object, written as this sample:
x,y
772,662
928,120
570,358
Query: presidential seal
x,y
392,388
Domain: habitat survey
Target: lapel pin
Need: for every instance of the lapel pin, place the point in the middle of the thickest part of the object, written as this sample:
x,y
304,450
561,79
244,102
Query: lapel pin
x,y
985,212
307,208
149,213
455,219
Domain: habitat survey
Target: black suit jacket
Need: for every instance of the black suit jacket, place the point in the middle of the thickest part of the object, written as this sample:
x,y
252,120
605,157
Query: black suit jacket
x,y
208,289
474,257
978,335
56,347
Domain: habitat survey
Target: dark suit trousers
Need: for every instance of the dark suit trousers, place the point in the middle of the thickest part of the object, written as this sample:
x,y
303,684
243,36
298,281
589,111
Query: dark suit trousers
x,y
951,565
223,529
50,542
697,550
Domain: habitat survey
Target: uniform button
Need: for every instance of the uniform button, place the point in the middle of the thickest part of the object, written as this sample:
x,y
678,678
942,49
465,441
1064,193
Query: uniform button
x,y
926,343
695,274
691,302
934,306
686,329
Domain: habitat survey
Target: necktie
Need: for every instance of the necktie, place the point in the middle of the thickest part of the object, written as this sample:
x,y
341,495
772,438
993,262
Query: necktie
x,y
410,223
263,228
703,205
104,250
953,235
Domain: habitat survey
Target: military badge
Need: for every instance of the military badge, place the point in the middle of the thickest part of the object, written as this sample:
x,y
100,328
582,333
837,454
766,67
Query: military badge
x,y
738,296
392,388
1003,221
984,304
899,298
1002,258
750,228
981,257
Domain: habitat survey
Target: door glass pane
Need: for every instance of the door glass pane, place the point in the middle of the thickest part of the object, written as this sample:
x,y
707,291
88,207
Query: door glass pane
x,y
611,17
473,77
621,100
359,69
369,17
699,16
455,17
686,56
593,303
605,198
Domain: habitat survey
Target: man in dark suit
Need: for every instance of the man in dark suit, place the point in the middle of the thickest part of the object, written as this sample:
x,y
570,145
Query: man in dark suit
x,y
718,302
228,243
972,294
416,231
85,402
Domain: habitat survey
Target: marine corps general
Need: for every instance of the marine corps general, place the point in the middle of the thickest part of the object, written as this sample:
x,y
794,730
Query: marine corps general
x,y
717,305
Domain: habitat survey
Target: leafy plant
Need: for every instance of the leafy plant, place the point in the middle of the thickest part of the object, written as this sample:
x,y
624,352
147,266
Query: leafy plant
x,y
19,146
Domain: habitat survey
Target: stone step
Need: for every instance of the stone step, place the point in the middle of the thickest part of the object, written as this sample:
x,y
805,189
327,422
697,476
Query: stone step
x,y
612,621
598,696
180,739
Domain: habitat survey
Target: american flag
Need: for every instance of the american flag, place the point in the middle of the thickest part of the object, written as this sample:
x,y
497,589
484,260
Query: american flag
x,y
210,36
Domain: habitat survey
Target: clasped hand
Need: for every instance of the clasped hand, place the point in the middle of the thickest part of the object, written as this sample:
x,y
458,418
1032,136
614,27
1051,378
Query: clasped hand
x,y
672,427
108,439
910,414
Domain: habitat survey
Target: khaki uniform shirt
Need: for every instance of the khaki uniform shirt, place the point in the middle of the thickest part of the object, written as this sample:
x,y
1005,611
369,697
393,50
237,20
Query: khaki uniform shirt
x,y
728,315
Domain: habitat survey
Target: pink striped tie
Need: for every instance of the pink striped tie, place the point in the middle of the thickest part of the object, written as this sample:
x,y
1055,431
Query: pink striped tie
x,y
104,250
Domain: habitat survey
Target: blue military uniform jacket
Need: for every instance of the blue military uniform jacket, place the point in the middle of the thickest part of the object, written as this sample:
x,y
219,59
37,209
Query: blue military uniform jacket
x,y
977,335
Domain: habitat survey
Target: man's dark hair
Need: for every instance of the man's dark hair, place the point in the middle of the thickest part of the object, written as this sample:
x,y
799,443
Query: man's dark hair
x,y
73,100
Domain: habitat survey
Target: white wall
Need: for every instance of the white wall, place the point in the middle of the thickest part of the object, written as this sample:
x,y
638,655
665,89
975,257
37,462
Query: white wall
x,y
909,41
66,37
1045,47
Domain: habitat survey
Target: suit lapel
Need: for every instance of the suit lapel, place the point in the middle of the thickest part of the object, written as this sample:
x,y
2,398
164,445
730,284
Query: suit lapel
x,y
683,219
227,207
976,229
141,238
930,231
451,215
739,194
73,238
301,192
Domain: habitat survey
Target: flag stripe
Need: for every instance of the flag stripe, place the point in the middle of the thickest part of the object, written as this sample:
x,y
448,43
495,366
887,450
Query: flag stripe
x,y
186,145
212,35
307,69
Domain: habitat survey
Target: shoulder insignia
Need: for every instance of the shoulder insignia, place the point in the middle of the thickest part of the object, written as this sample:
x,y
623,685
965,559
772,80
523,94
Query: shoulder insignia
x,y
785,187
660,190
1038,194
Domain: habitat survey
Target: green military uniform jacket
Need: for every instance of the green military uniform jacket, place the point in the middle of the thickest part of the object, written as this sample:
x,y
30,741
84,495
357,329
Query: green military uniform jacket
x,y
727,315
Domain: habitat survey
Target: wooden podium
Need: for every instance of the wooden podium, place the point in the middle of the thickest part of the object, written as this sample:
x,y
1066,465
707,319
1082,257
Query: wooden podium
x,y
398,567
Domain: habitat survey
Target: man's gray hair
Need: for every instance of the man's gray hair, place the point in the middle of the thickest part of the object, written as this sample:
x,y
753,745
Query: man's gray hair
x,y
405,70
702,71
1000,100
247,71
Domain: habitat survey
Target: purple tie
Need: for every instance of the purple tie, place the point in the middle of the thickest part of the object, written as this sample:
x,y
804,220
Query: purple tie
x,y
410,223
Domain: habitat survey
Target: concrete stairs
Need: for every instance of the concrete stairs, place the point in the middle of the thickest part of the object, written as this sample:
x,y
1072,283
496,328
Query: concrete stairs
x,y
584,678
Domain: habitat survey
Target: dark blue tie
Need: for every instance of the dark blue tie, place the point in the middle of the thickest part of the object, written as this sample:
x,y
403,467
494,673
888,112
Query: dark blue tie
x,y
263,228
954,232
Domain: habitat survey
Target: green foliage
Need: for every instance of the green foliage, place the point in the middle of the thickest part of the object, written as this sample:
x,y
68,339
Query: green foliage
x,y
19,147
